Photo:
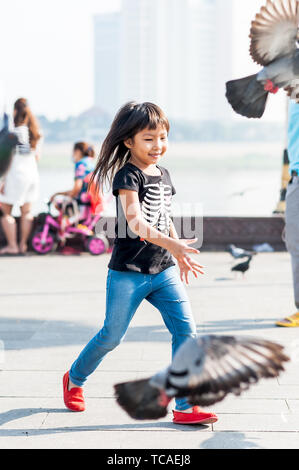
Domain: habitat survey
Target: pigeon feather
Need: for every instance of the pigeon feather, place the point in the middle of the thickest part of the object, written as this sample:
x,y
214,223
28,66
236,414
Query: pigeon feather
x,y
274,32
205,369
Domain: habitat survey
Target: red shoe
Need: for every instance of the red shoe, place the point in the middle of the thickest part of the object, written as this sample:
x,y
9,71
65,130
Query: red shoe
x,y
196,417
73,399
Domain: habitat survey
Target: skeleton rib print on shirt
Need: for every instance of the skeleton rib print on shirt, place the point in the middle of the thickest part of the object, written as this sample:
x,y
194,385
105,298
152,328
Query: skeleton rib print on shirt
x,y
156,206
130,253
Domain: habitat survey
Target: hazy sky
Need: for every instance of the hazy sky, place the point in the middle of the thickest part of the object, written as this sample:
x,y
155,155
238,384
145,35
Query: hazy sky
x,y
47,53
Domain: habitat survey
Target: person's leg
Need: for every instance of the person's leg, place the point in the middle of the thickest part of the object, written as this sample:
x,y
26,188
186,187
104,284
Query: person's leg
x,y
125,291
170,298
10,230
292,243
26,224
292,233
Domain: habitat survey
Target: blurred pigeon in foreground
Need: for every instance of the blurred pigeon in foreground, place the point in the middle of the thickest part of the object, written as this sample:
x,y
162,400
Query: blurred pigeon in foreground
x,y
8,143
274,36
238,253
205,369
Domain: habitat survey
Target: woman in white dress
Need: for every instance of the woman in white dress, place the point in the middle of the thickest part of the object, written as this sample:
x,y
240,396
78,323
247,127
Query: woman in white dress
x,y
21,183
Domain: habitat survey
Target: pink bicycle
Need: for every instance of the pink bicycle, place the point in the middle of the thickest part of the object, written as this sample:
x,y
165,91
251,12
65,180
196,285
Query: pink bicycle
x,y
70,223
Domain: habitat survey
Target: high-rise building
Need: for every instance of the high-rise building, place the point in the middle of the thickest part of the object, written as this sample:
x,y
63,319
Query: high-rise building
x,y
107,52
209,58
177,53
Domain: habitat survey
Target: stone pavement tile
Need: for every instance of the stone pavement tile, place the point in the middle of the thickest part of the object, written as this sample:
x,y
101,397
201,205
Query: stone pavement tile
x,y
84,439
270,389
291,376
44,358
148,367
293,405
106,415
235,405
51,359
52,317
251,440
49,384
127,351
285,422
15,416
40,417
157,351
61,438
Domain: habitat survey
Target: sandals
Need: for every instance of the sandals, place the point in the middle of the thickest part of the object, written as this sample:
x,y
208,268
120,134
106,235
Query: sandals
x,y
73,399
196,417
289,322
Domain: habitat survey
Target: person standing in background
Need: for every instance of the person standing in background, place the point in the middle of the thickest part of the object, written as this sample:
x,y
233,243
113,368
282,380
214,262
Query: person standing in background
x,y
21,183
292,210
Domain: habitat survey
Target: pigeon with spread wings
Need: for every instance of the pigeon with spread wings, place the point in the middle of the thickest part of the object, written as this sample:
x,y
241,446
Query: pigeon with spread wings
x,y
205,369
8,144
274,38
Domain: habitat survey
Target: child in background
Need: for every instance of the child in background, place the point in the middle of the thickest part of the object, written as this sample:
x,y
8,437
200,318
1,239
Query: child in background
x,y
83,158
142,265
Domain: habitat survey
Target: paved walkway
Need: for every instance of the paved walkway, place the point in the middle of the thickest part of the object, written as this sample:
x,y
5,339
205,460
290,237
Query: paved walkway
x,y
50,308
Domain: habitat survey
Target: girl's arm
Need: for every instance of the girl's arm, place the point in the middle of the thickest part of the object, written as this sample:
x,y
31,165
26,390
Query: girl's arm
x,y
73,192
173,233
185,270
2,185
38,148
138,225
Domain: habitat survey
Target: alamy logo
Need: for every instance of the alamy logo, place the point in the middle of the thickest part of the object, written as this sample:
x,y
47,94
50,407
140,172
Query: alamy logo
x,y
156,206
157,209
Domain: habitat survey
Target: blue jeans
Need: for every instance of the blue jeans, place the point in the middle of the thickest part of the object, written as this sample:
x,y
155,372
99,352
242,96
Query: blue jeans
x,y
124,293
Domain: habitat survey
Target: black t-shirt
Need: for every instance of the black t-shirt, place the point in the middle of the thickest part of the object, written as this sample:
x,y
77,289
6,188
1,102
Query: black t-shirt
x,y
155,193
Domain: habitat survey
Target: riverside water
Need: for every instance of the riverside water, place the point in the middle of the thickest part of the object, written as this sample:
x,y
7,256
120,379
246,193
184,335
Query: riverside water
x,y
223,179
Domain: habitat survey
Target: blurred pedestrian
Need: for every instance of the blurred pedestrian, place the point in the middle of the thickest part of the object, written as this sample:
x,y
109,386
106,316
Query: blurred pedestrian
x,y
21,183
292,210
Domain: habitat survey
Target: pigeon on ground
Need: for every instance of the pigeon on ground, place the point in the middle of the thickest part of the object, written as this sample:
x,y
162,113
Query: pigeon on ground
x,y
243,267
238,253
205,369
274,37
8,144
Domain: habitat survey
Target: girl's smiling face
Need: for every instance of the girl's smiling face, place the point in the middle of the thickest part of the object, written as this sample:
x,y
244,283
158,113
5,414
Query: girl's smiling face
x,y
148,146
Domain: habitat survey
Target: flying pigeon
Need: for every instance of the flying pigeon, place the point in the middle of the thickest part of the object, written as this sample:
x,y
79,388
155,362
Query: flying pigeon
x,y
205,369
274,37
238,253
8,144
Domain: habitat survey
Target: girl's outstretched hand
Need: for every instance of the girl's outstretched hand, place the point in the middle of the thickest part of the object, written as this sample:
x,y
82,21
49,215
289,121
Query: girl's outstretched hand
x,y
180,249
185,270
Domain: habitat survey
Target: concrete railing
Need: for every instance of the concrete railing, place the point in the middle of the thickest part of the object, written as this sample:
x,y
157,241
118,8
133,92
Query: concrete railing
x,y
218,232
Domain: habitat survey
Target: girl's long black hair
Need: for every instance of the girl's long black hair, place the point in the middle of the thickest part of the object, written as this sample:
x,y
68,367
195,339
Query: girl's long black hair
x,y
131,118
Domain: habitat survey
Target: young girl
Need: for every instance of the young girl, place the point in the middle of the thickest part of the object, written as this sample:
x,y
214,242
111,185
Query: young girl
x,y
21,183
142,264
